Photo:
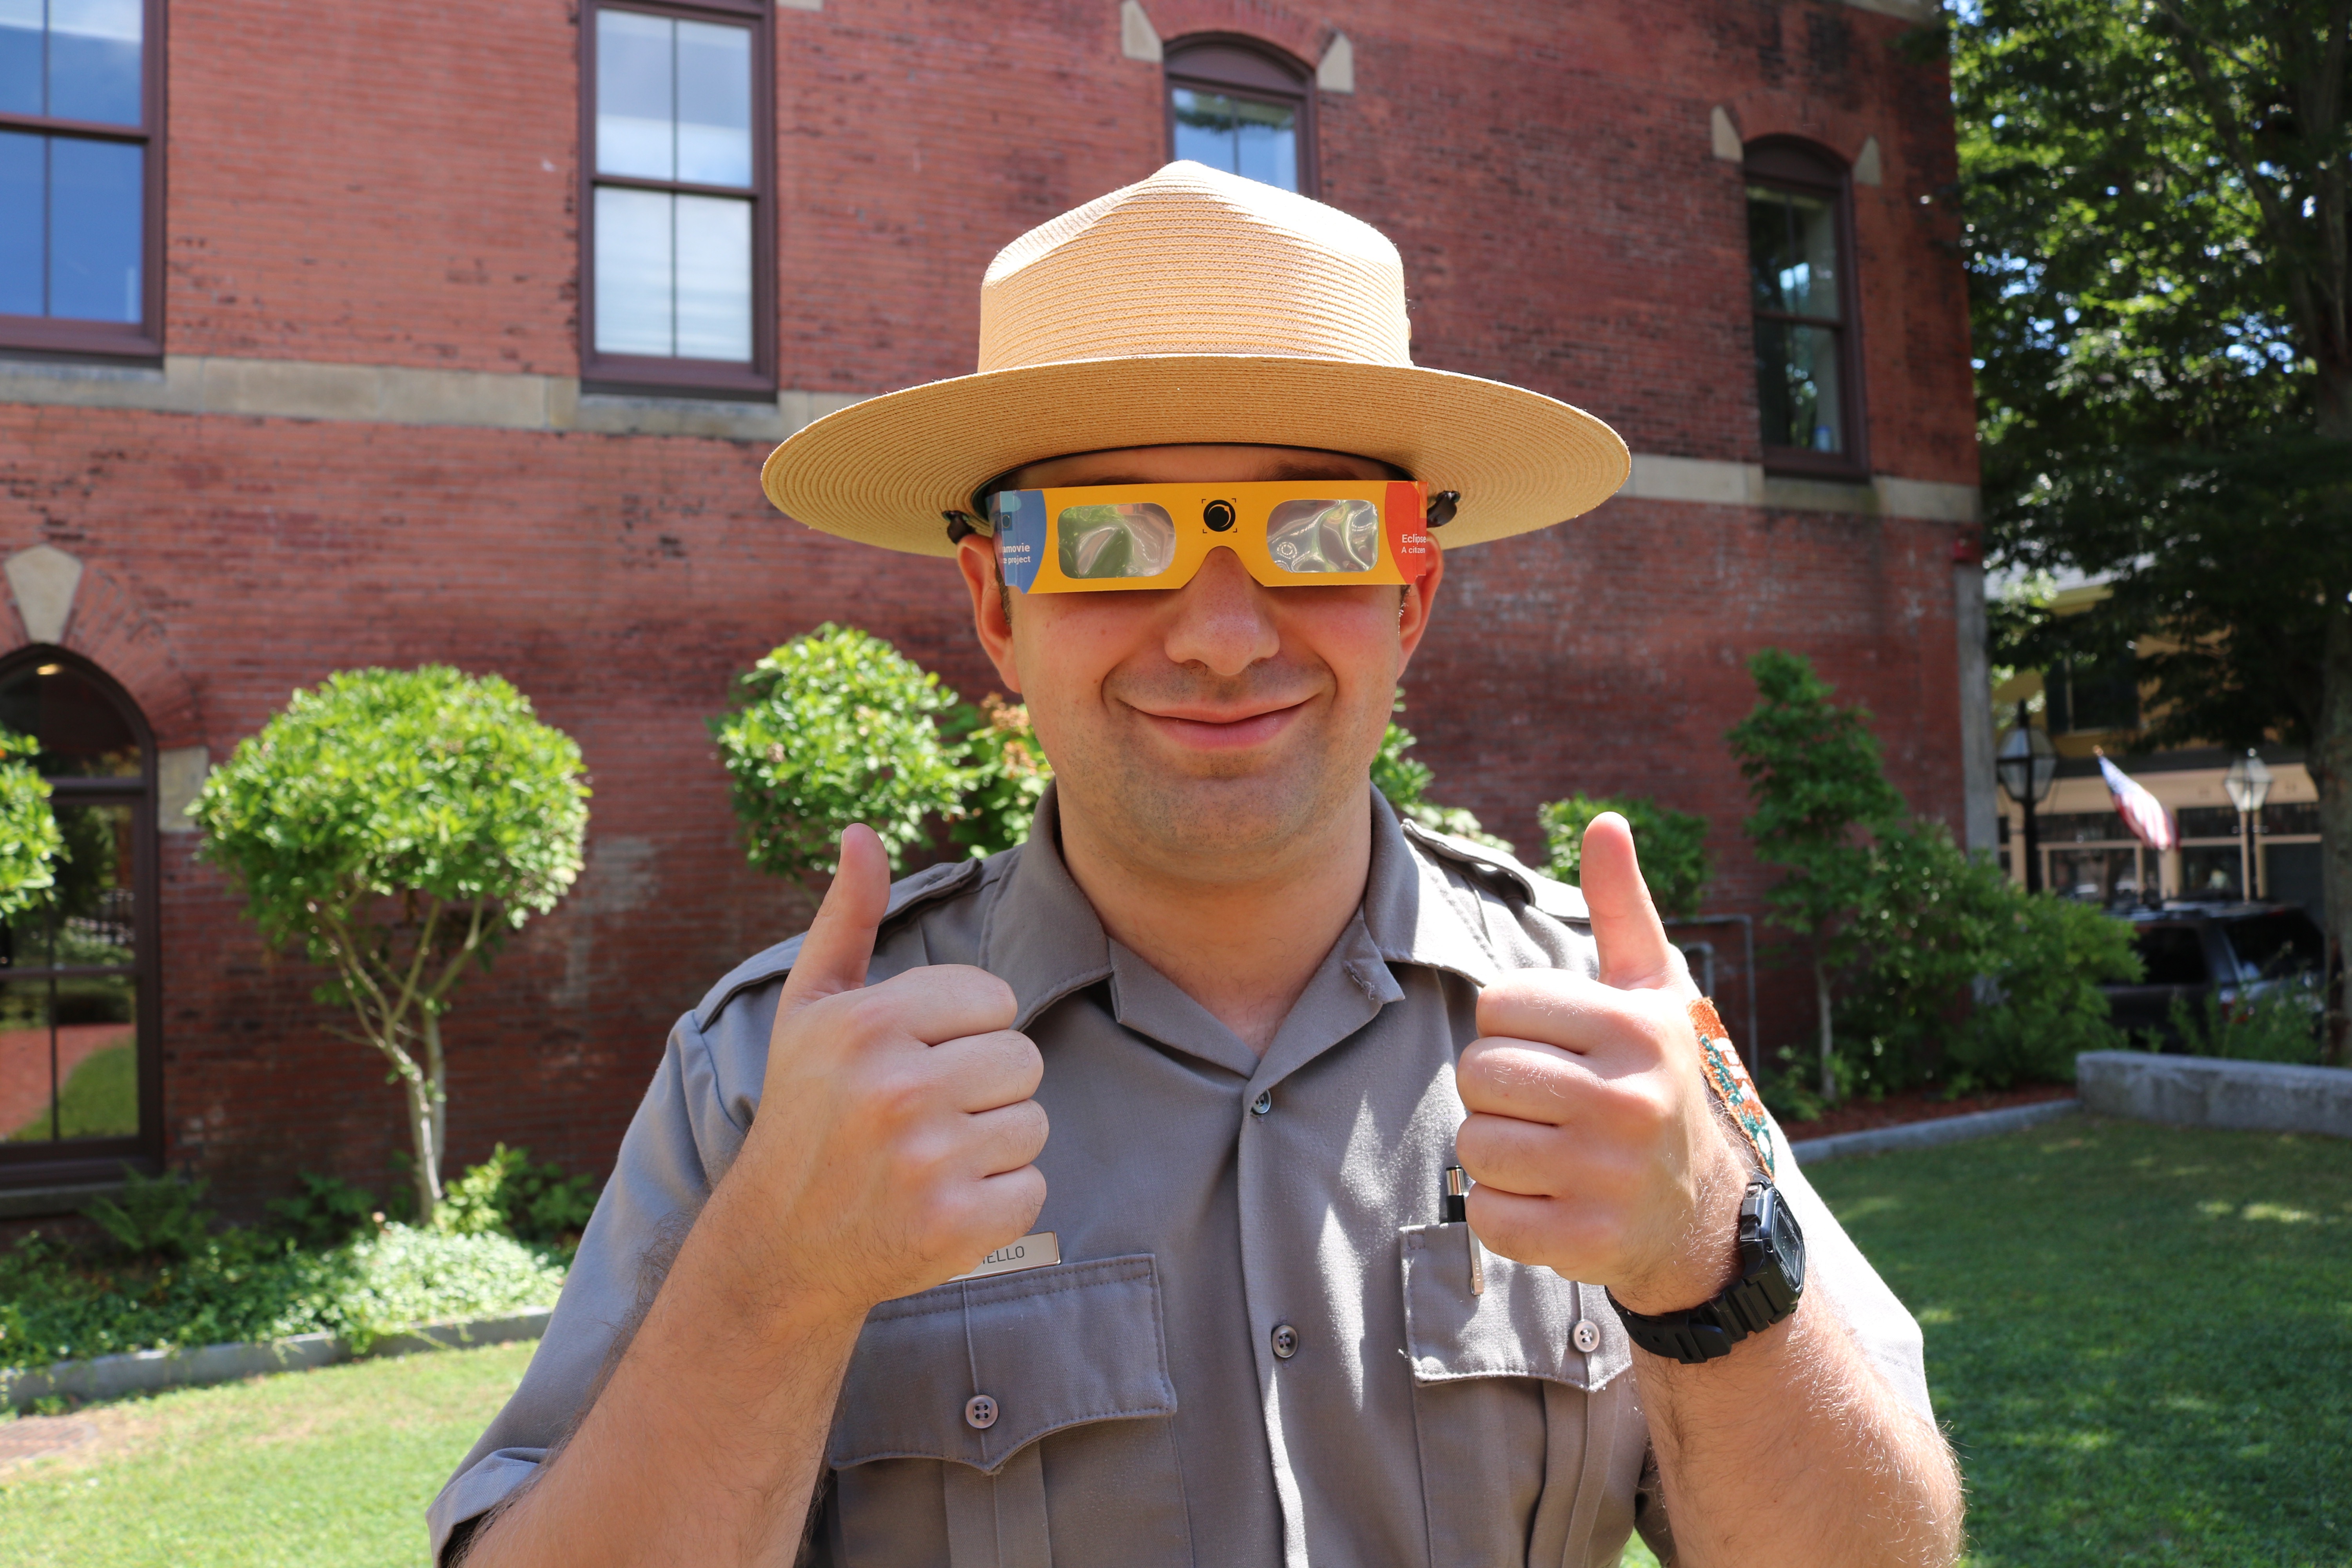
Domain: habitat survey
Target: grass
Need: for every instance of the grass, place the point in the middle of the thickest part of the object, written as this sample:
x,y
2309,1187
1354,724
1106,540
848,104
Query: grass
x,y
2137,1337
329,1469
99,1099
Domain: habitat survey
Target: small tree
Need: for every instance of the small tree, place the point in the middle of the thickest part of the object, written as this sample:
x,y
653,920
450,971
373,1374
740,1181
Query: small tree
x,y
29,840
398,824
1405,780
1812,769
834,727
1673,846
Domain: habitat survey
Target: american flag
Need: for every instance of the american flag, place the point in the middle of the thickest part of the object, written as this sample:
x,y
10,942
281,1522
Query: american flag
x,y
2149,822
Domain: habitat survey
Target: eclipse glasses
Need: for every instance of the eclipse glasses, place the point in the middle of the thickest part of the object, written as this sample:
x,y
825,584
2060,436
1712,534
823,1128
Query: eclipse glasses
x,y
1287,534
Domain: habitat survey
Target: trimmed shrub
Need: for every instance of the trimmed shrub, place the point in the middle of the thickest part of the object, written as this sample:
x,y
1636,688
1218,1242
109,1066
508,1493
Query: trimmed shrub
x,y
1672,846
834,727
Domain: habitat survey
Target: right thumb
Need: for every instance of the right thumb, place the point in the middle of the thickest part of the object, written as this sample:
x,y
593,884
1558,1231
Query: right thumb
x,y
840,940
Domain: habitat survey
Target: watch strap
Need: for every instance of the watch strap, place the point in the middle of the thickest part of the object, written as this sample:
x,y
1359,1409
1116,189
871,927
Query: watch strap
x,y
1762,1296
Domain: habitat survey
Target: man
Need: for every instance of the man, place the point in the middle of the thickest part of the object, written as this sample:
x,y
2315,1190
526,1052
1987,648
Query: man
x,y
1227,1313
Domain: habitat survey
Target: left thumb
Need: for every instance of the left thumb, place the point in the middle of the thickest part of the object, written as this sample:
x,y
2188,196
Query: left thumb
x,y
1634,953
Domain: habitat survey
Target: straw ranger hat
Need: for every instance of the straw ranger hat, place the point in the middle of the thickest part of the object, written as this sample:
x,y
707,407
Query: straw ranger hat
x,y
1195,306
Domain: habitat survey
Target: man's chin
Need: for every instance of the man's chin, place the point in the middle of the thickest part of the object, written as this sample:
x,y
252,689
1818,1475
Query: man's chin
x,y
1227,819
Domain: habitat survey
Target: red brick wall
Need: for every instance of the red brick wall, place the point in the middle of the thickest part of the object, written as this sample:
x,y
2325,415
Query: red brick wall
x,y
369,184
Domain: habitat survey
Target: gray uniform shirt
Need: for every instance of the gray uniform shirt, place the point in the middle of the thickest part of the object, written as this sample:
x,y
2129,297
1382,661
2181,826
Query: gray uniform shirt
x,y
1209,1205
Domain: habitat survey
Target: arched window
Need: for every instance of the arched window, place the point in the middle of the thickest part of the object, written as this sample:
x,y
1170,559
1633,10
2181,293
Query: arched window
x,y
1237,105
1802,287
81,1085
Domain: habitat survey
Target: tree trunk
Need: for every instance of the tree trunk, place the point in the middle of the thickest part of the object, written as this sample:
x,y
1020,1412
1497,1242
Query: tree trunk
x,y
2331,767
424,1139
1829,1047
437,1080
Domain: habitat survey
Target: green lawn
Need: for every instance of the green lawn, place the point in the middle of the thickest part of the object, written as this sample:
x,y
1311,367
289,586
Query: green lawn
x,y
99,1099
2139,1338
329,1469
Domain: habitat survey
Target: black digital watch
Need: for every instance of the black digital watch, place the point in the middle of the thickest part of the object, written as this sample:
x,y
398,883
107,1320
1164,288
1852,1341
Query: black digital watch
x,y
1772,1282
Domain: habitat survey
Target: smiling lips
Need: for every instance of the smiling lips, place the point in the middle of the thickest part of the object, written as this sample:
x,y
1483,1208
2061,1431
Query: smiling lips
x,y
1204,728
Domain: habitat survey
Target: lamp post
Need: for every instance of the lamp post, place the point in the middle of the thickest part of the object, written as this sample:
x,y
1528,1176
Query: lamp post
x,y
2025,766
2248,783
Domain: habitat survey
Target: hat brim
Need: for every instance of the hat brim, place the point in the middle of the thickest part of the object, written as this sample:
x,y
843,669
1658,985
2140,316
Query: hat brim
x,y
882,471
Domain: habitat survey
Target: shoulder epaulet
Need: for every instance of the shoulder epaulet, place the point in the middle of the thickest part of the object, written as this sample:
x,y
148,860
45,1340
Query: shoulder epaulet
x,y
1492,866
909,894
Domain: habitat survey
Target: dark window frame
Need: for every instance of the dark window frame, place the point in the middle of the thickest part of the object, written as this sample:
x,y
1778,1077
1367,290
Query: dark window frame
x,y
658,376
1239,66
1787,162
31,1167
2104,686
47,336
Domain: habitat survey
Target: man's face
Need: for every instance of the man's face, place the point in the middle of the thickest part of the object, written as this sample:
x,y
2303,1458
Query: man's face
x,y
1209,726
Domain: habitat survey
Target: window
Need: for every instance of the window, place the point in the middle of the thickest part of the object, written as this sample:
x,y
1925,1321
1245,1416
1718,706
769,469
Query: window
x,y
2093,696
80,93
81,1085
1239,106
2171,955
678,255
1801,289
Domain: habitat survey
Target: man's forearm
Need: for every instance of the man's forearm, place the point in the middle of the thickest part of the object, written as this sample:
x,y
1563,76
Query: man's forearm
x,y
1792,1452
704,1447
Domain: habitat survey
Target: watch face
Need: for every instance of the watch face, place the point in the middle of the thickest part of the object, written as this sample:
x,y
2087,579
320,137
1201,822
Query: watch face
x,y
1788,1241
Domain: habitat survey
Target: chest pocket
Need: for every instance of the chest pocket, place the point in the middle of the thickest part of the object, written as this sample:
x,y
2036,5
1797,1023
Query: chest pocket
x,y
1502,1376
1011,1422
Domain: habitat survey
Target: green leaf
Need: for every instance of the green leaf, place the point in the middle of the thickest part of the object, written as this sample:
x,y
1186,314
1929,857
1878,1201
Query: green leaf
x,y
383,784
1671,845
30,842
834,727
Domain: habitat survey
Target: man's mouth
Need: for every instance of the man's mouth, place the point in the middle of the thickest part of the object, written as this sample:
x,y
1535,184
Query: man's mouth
x,y
1221,727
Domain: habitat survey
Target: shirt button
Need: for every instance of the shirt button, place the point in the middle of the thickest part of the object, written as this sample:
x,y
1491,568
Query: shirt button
x,y
1286,1342
1263,1103
1586,1335
980,1412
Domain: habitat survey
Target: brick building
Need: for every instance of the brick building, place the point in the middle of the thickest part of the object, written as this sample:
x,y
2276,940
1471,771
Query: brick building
x,y
385,335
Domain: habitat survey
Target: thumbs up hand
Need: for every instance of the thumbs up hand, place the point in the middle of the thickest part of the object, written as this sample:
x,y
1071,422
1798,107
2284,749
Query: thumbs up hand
x,y
1593,1135
896,1131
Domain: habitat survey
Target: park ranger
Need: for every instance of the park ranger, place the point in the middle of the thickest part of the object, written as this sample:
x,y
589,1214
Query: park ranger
x,y
1399,1205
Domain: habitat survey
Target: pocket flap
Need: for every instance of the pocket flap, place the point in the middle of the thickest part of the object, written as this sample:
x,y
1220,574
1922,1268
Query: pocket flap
x,y
1523,1325
1052,1347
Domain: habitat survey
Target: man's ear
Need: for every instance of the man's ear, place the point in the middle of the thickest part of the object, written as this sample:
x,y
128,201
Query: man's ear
x,y
991,617
1420,600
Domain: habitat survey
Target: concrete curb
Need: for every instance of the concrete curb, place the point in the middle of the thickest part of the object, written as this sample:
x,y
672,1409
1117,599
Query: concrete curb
x,y
151,1372
2214,1091
1928,1134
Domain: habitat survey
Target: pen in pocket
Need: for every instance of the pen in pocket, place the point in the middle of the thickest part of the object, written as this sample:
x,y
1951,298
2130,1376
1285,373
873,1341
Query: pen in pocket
x,y
1456,1211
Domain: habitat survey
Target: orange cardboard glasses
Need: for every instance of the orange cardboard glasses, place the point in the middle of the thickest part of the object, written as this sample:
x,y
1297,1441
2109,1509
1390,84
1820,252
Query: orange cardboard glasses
x,y
1287,533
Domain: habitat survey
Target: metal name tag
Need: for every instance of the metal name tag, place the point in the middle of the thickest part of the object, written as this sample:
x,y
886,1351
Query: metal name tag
x,y
1035,1251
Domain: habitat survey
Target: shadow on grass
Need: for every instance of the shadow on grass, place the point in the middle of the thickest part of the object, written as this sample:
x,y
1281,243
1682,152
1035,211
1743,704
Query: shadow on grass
x,y
2137,1337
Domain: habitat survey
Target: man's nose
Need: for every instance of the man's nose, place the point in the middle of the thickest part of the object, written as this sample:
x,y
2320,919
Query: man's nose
x,y
1221,618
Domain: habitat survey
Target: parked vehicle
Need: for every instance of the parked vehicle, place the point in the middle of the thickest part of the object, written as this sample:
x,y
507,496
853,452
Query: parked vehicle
x,y
2234,952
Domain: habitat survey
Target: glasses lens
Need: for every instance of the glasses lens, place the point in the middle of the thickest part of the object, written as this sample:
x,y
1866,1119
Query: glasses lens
x,y
1325,535
1136,539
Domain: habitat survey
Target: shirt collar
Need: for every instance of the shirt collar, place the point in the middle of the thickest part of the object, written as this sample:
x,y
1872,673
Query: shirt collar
x,y
1416,913
1040,936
